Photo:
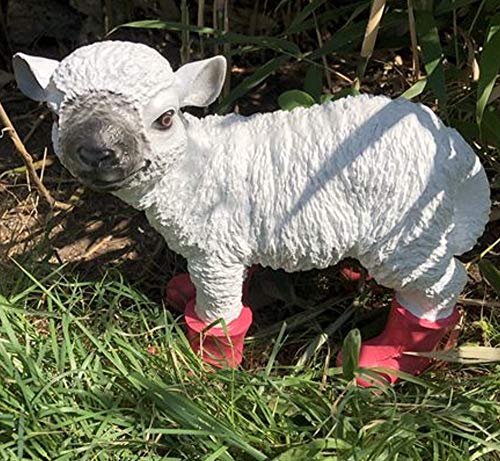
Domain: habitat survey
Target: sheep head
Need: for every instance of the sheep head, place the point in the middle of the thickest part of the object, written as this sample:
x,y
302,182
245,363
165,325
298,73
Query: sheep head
x,y
116,105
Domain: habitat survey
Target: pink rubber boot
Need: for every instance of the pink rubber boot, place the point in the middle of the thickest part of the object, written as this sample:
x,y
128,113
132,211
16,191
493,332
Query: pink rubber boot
x,y
353,275
403,333
218,346
180,290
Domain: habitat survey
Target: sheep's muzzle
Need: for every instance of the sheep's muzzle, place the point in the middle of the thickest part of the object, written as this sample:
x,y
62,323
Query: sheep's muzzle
x,y
100,148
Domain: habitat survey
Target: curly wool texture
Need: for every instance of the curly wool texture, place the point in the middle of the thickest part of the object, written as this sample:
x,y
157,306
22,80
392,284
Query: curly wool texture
x,y
108,65
380,180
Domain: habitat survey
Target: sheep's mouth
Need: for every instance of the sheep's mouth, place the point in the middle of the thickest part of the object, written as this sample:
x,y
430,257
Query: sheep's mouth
x,y
103,185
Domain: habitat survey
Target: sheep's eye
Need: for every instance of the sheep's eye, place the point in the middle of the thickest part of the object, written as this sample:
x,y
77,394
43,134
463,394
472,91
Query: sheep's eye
x,y
165,120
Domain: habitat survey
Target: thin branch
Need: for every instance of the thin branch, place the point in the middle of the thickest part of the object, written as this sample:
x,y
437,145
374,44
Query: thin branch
x,y
323,58
479,302
28,161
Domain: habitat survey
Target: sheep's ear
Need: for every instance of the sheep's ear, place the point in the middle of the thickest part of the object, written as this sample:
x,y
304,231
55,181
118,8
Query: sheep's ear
x,y
33,74
200,82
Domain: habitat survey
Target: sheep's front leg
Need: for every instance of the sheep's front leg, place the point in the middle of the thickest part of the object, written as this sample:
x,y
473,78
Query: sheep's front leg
x,y
219,286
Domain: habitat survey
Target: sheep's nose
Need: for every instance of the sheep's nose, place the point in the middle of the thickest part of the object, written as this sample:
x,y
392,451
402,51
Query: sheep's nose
x,y
97,157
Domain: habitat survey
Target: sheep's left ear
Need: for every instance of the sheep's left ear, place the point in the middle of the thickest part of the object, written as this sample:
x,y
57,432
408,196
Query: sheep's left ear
x,y
33,74
199,83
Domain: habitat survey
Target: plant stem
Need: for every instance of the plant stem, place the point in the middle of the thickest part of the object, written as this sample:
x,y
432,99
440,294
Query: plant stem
x,y
28,161
376,13
414,43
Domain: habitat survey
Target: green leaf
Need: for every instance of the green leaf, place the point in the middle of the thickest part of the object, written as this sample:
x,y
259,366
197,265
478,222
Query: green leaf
x,y
468,129
349,37
219,36
326,98
313,83
491,274
289,100
416,89
343,93
273,43
350,353
432,54
165,25
261,74
489,66
302,15
489,126
343,14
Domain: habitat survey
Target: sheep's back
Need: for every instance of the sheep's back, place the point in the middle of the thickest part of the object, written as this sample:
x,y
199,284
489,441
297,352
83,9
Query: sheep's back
x,y
358,177
336,180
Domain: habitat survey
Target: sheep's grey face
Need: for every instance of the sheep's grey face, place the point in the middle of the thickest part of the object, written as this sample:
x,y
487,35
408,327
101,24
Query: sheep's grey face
x,y
110,143
100,141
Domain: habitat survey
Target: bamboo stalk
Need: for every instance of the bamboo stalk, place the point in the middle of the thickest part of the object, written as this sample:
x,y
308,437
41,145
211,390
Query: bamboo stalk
x,y
414,43
200,23
221,22
28,161
109,21
215,23
227,52
185,33
376,13
371,31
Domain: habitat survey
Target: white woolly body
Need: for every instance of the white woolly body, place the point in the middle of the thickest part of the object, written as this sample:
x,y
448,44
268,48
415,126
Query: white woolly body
x,y
366,177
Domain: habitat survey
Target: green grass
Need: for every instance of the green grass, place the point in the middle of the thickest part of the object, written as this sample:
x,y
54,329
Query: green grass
x,y
96,371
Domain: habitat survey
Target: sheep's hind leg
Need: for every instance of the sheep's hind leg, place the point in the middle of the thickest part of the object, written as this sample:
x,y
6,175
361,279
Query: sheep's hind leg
x,y
219,287
422,313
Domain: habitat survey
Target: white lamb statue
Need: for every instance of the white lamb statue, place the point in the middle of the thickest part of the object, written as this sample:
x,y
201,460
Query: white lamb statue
x,y
367,177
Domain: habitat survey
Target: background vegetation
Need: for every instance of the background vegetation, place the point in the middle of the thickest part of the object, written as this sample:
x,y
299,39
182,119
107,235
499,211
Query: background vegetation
x,y
94,366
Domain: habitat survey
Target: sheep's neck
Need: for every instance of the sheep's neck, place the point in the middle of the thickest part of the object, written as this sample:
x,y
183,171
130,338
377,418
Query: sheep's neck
x,y
172,201
141,197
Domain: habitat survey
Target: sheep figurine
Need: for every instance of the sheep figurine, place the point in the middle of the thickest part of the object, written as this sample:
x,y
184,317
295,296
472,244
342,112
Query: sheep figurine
x,y
383,181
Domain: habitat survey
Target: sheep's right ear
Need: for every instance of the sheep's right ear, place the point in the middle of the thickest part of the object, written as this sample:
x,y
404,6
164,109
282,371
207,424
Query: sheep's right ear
x,y
200,82
33,74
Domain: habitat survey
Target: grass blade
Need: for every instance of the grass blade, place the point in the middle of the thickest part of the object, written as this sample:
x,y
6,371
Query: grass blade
x,y
251,82
465,354
491,274
415,90
350,353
